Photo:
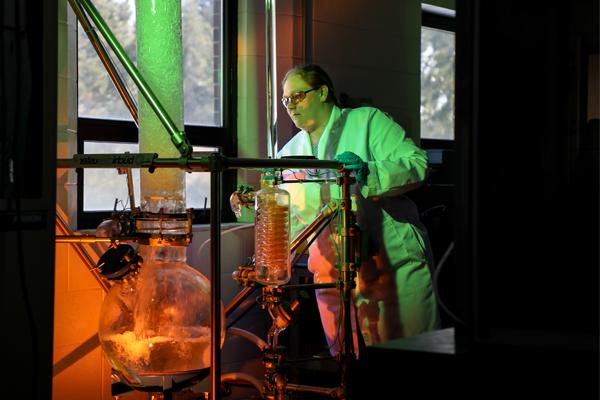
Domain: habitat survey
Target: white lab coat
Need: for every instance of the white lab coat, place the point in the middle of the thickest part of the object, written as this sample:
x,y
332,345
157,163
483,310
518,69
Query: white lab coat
x,y
394,295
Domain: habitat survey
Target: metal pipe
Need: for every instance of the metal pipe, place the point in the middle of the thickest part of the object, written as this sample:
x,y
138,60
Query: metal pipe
x,y
239,298
327,180
335,392
83,255
177,137
216,173
142,160
106,61
271,78
307,31
89,239
130,189
347,277
233,163
327,212
301,286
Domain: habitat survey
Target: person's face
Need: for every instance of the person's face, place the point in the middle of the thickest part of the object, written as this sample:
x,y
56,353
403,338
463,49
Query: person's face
x,y
303,108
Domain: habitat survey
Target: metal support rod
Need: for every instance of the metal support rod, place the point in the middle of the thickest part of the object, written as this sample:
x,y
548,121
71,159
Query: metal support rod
x,y
85,257
331,392
345,244
310,286
241,296
177,137
234,163
216,172
328,180
347,276
130,189
106,61
271,78
91,239
307,31
146,160
325,215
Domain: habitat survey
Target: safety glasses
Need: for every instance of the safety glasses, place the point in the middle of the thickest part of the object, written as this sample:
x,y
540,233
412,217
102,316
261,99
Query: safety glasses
x,y
296,98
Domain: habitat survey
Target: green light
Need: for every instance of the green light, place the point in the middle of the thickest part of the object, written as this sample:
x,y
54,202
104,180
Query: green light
x,y
159,52
177,135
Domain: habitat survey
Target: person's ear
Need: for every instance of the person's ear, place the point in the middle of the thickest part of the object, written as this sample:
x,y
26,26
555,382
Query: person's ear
x,y
324,93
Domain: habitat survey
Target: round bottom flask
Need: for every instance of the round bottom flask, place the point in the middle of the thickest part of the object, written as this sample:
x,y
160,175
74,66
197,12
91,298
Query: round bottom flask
x,y
157,321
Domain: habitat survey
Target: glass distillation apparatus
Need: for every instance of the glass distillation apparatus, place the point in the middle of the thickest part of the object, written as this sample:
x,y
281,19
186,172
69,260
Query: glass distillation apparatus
x,y
155,319
272,233
272,223
273,269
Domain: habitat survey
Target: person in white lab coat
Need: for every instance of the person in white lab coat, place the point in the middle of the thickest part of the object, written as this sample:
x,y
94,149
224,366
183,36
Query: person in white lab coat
x,y
394,296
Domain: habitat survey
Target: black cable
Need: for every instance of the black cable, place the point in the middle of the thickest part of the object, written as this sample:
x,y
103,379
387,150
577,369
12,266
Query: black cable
x,y
435,279
21,37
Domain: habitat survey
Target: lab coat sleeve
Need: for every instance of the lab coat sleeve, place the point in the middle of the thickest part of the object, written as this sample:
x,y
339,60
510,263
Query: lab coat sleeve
x,y
394,160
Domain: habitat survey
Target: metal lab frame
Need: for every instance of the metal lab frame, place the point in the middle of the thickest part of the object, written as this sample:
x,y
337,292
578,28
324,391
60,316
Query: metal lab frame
x,y
216,163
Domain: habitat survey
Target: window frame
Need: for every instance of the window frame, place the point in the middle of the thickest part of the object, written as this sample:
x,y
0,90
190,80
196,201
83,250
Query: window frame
x,y
439,20
430,18
223,137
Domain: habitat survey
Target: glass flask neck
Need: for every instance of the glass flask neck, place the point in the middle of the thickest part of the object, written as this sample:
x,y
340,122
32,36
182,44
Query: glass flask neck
x,y
269,179
163,253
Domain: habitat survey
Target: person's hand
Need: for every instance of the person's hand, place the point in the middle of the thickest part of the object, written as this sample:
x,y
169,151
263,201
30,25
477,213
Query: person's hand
x,y
354,163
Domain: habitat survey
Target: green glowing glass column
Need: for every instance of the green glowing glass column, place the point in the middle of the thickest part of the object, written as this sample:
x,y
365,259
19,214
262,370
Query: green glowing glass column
x,y
159,55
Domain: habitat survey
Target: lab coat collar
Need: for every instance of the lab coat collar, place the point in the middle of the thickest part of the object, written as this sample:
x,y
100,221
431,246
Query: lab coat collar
x,y
330,138
325,144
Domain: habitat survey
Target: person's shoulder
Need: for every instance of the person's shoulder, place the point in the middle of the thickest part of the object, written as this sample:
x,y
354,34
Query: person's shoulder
x,y
362,110
298,137
368,112
358,114
288,148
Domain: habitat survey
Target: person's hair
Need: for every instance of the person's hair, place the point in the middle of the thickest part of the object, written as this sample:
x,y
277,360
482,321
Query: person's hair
x,y
315,76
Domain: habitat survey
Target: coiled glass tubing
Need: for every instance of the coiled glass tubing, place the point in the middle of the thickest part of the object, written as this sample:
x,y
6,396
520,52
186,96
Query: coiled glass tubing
x,y
272,236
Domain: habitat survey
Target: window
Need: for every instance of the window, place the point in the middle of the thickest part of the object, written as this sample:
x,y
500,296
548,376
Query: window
x,y
106,187
437,73
106,126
